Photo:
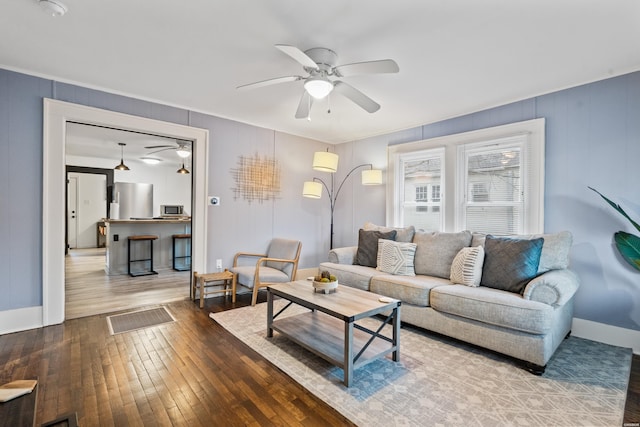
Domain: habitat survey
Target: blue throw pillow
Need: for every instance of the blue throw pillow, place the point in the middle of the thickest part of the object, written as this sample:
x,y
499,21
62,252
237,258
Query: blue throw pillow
x,y
509,264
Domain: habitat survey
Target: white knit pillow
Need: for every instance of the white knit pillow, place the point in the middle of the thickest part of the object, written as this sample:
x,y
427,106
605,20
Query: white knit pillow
x,y
466,268
396,257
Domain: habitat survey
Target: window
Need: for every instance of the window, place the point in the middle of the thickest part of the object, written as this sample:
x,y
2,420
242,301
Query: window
x,y
495,199
490,180
421,177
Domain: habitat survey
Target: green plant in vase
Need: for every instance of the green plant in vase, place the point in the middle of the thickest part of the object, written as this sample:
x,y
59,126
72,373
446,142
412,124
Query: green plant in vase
x,y
628,244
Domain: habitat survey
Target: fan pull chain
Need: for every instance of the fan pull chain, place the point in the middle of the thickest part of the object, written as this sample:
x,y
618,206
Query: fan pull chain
x,y
329,104
309,108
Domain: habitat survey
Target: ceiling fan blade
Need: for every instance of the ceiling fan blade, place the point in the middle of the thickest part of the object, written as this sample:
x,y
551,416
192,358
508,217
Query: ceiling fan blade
x,y
269,82
298,55
356,96
164,149
152,147
304,107
369,67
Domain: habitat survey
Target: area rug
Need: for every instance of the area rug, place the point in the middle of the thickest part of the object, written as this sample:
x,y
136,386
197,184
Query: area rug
x,y
440,381
126,322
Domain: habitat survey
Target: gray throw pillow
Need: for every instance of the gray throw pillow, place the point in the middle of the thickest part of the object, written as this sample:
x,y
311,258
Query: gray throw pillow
x,y
509,264
403,234
435,251
368,246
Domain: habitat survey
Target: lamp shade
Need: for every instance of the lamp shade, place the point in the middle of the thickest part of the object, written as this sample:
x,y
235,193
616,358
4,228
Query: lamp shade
x,y
325,161
312,189
372,177
318,87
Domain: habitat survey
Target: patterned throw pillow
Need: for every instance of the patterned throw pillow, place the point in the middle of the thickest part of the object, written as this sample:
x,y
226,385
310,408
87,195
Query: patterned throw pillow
x,y
396,257
466,268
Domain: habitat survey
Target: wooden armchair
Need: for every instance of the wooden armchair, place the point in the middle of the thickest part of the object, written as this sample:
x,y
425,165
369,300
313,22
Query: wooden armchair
x,y
278,265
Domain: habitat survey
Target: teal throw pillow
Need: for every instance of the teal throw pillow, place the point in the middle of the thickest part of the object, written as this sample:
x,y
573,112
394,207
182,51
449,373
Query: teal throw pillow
x,y
509,264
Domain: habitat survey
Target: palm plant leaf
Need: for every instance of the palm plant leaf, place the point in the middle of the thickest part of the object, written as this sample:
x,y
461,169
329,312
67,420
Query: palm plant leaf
x,y
618,208
629,247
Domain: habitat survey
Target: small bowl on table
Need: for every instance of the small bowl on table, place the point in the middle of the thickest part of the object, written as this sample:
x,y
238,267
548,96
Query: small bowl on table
x,y
325,287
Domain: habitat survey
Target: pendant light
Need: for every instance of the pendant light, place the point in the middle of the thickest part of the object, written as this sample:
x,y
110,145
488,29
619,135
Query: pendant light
x,y
122,166
183,170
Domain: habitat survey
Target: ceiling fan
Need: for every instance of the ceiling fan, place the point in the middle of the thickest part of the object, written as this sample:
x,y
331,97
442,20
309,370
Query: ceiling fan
x,y
181,147
320,64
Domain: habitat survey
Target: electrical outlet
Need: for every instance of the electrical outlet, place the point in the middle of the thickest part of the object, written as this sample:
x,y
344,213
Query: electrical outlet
x,y
116,237
219,264
214,201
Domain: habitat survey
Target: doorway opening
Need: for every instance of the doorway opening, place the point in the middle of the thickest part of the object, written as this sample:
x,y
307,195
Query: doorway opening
x,y
100,205
57,115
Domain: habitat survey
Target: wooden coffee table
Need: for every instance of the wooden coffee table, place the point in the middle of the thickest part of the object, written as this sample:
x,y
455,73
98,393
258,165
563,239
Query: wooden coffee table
x,y
329,329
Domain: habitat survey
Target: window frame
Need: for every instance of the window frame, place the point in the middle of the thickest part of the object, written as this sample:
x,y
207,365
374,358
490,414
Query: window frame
x,y
453,188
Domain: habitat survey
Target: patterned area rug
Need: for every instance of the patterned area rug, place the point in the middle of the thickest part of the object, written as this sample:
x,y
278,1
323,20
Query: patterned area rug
x,y
439,381
126,322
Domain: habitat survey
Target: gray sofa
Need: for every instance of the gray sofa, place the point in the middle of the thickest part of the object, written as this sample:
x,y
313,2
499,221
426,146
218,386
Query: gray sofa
x,y
529,325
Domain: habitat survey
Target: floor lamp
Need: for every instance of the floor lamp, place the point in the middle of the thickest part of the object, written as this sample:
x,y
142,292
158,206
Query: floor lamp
x,y
325,161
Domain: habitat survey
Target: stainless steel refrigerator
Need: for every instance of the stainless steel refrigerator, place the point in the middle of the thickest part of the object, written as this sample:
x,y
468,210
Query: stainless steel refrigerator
x,y
134,200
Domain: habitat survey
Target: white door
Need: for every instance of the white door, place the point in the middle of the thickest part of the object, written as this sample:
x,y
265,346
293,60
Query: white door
x,y
72,210
92,207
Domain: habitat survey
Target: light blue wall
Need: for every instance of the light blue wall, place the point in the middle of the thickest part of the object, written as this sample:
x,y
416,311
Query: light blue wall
x,y
233,226
592,139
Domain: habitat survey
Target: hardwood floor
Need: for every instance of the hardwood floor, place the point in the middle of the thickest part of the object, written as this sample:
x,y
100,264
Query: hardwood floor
x,y
190,372
89,290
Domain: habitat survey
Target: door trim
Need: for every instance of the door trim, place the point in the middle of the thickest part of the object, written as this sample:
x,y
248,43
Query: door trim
x,y
55,116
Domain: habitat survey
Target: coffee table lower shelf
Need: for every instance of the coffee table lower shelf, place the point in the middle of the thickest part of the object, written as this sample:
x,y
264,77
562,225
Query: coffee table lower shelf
x,y
325,336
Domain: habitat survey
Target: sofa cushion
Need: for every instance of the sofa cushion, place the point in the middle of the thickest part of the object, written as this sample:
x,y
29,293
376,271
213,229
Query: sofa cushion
x,y
356,276
509,264
408,289
555,250
396,257
493,306
466,268
402,234
367,253
435,251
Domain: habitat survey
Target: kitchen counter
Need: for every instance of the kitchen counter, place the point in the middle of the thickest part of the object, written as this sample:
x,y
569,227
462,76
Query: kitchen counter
x,y
118,231
148,221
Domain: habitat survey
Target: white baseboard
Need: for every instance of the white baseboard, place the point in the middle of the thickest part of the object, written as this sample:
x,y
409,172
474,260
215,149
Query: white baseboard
x,y
607,334
20,319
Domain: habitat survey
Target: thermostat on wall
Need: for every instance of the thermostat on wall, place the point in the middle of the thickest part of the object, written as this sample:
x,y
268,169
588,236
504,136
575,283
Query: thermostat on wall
x,y
214,201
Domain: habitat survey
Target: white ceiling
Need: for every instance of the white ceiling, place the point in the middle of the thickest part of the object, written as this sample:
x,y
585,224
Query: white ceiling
x,y
92,141
455,56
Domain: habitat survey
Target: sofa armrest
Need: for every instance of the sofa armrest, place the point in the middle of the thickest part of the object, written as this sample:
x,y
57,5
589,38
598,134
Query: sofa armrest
x,y
554,287
344,255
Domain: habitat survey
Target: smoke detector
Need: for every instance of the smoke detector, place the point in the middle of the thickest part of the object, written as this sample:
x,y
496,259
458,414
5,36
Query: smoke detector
x,y
53,7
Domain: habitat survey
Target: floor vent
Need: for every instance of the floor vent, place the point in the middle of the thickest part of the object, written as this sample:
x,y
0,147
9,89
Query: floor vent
x,y
127,322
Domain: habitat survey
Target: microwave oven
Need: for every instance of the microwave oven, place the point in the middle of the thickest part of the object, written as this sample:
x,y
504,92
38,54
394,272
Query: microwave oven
x,y
172,210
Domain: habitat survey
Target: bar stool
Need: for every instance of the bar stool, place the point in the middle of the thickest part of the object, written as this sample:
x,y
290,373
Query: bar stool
x,y
186,265
141,238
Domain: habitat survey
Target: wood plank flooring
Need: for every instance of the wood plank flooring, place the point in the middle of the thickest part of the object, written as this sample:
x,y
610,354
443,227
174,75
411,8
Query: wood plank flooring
x,y
189,372
89,290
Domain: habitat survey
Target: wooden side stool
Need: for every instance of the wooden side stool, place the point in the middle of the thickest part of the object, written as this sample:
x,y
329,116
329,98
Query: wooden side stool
x,y
186,257
203,281
141,238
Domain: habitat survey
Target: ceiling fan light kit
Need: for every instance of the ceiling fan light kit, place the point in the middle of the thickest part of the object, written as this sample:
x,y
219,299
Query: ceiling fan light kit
x,y
318,87
320,64
53,7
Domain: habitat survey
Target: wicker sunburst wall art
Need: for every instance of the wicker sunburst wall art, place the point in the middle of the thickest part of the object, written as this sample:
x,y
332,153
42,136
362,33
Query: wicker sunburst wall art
x,y
257,179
